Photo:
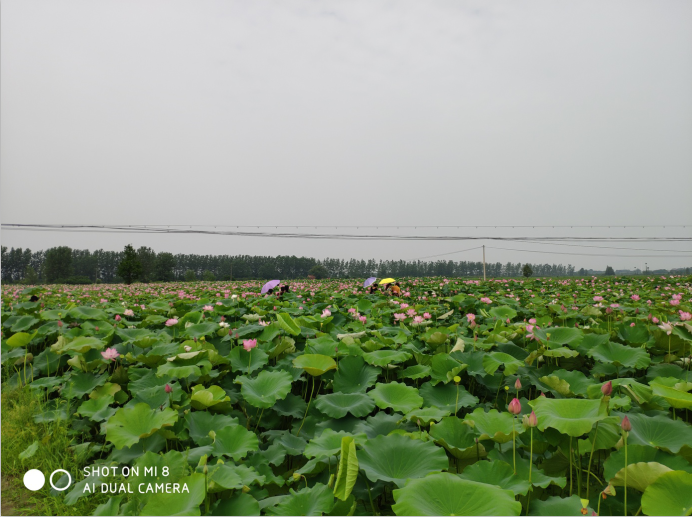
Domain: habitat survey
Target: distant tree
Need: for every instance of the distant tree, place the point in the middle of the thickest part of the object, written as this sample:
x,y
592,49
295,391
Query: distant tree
x,y
609,271
527,271
30,276
164,266
208,276
147,257
582,272
318,272
190,276
130,268
58,264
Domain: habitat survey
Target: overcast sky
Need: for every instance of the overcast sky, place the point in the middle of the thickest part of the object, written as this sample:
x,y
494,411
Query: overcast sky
x,y
349,113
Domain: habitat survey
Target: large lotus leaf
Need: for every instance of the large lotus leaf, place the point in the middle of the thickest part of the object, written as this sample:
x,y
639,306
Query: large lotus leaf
x,y
183,503
337,405
560,352
658,431
640,393
396,458
395,395
132,335
292,405
128,425
503,312
200,423
314,364
22,339
560,336
264,390
574,417
385,357
493,360
286,322
382,424
247,362
418,371
348,469
426,415
670,494
457,437
496,473
97,409
448,494
237,504
88,313
317,500
82,383
538,477
449,397
82,345
641,453
558,506
639,475
201,329
445,368
211,397
494,425
329,443
567,382
676,398
637,335
235,441
354,376
23,323
621,355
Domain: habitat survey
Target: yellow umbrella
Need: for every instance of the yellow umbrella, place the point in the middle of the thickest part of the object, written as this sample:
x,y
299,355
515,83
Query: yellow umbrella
x,y
387,281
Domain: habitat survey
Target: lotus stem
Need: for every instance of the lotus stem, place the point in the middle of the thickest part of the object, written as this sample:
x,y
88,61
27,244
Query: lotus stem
x,y
307,408
570,466
514,447
456,404
528,501
372,505
593,446
625,488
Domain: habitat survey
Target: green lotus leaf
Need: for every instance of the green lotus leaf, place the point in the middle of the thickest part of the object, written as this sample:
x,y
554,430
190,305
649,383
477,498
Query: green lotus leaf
x,y
396,458
560,336
348,469
23,323
457,437
83,383
337,405
426,415
449,397
385,357
183,503
223,477
445,368
129,425
574,417
20,339
670,494
557,506
88,313
286,322
448,494
496,473
419,371
292,405
314,364
382,424
211,397
201,329
247,362
110,507
560,352
637,335
620,355
317,500
676,398
82,345
237,504
329,443
538,477
132,335
200,423
494,425
395,395
235,441
639,475
264,390
658,431
503,312
641,453
97,409
493,360
354,376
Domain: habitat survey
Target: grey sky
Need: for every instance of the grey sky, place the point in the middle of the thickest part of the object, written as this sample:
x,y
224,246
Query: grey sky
x,y
372,112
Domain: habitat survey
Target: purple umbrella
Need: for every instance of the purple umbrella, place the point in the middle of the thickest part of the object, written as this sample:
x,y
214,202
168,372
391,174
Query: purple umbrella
x,y
270,285
369,281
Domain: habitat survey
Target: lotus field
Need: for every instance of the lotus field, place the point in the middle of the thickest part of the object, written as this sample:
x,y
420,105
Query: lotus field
x,y
506,397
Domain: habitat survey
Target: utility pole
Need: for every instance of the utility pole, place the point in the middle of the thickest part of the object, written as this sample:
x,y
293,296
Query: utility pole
x,y
231,271
484,262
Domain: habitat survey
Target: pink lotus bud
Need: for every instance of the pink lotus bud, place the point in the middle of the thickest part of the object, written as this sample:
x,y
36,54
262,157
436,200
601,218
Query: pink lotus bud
x,y
117,317
607,388
533,420
514,406
517,384
96,329
626,425
168,388
542,394
60,323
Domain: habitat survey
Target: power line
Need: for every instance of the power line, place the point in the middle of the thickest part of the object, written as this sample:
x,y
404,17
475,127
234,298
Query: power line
x,y
586,254
450,253
606,247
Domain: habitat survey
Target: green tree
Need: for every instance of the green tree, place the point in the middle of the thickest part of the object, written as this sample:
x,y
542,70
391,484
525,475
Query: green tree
x,y
318,271
164,267
609,271
208,276
527,271
130,268
58,264
190,276
30,276
147,257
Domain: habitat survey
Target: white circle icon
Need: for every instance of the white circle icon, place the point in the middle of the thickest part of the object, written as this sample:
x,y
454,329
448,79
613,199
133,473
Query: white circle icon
x,y
69,480
34,480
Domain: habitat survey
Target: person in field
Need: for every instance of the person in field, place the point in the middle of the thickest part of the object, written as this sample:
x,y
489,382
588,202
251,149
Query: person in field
x,y
396,289
373,288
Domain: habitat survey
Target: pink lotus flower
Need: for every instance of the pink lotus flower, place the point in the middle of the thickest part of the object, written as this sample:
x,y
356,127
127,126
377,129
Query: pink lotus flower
x,y
598,298
351,311
635,297
418,320
486,300
411,312
471,317
363,319
655,320
632,324
171,322
249,344
129,312
404,305
263,323
675,302
208,308
532,321
427,316
667,327
110,354
117,317
685,316
326,313
514,406
399,317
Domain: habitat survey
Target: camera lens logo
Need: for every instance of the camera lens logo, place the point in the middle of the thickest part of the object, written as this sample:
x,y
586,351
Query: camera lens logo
x,y
34,480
